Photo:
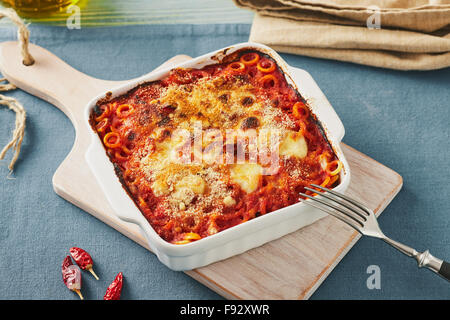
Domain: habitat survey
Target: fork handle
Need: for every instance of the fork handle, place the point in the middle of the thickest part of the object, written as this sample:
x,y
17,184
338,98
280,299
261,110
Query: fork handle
x,y
424,259
445,270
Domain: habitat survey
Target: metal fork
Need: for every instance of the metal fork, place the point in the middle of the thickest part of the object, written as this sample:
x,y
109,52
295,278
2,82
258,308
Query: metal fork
x,y
361,218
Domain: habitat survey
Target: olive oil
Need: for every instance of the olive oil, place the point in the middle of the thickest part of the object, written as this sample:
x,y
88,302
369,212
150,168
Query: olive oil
x,y
38,8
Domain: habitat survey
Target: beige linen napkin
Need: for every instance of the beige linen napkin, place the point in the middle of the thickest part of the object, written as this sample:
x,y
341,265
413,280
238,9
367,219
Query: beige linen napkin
x,y
420,15
414,35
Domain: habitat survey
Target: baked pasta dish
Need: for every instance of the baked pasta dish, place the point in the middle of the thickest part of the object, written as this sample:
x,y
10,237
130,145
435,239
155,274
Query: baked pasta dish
x,y
203,150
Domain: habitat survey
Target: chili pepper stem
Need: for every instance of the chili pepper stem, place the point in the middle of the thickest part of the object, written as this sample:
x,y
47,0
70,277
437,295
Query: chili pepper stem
x,y
93,273
79,293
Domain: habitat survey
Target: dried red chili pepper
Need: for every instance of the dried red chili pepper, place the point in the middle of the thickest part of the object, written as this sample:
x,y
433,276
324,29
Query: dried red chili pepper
x,y
71,275
66,263
83,259
114,289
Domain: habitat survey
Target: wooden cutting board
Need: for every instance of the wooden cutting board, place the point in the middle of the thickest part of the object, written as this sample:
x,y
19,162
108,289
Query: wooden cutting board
x,y
291,267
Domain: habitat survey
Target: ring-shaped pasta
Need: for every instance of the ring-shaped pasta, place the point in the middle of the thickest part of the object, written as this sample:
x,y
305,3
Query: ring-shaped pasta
x,y
127,148
182,242
129,176
103,125
325,182
300,110
112,140
250,58
338,167
105,112
237,66
116,124
266,66
302,127
124,110
120,155
192,236
268,81
333,180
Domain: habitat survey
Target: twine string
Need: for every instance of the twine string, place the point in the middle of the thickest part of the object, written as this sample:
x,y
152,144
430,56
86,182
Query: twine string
x,y
23,34
19,131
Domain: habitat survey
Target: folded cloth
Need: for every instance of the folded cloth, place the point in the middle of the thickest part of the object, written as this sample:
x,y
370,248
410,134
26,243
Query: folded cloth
x,y
394,49
327,29
419,15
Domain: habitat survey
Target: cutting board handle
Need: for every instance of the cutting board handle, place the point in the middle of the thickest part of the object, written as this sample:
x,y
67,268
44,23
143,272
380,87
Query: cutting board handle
x,y
53,80
49,78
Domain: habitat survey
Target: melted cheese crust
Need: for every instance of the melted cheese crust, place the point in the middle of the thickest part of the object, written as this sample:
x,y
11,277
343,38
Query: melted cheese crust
x,y
213,107
202,145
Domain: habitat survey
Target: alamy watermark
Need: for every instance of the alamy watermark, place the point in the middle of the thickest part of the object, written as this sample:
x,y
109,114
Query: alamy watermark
x,y
74,20
374,20
211,146
374,280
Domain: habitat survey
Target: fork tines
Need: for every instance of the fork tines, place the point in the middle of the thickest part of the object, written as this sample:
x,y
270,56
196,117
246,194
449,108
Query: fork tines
x,y
346,209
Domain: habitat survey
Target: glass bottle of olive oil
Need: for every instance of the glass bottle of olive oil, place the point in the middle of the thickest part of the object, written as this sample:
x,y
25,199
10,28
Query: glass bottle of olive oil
x,y
38,8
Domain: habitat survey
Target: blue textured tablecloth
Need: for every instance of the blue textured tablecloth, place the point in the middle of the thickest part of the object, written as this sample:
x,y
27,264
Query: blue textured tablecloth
x,y
401,119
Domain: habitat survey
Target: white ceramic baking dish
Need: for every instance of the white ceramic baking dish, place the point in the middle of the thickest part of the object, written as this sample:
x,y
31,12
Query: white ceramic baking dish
x,y
245,236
